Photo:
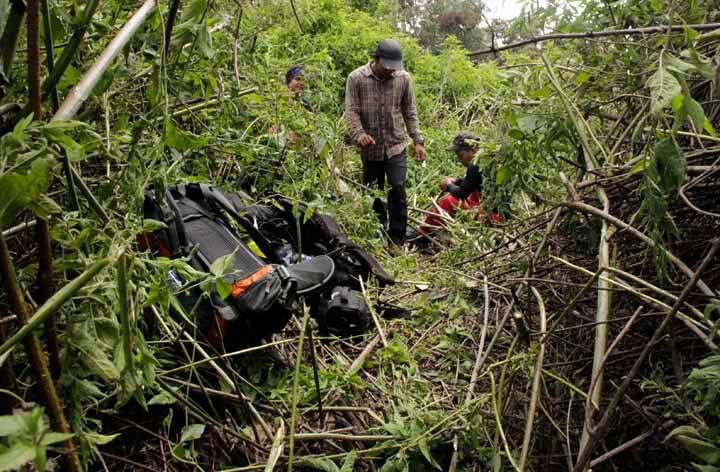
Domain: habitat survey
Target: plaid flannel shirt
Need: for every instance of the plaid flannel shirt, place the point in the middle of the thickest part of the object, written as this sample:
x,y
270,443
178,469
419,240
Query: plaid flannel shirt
x,y
379,108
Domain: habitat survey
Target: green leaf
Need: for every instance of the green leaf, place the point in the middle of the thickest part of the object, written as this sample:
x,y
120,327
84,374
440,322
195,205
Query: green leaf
x,y
182,140
149,225
395,464
74,150
676,64
97,360
705,468
706,451
194,9
99,439
425,450
44,206
162,398
52,438
582,77
204,42
104,83
639,166
668,165
677,103
18,455
516,134
40,459
11,424
703,65
70,78
657,5
695,112
223,288
349,462
663,88
320,463
192,432
222,265
503,174
23,191
709,128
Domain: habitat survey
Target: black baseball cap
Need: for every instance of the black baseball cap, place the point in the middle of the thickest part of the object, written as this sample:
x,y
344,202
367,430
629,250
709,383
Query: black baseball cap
x,y
390,54
461,141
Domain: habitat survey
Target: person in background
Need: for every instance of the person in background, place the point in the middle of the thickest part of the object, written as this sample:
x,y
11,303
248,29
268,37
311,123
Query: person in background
x,y
294,80
379,98
294,83
464,192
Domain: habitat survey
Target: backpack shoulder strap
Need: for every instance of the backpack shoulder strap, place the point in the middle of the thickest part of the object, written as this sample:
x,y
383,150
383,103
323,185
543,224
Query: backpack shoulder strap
x,y
215,197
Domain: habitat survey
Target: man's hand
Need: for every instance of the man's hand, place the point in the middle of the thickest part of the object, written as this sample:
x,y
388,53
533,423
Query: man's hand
x,y
420,152
444,182
365,140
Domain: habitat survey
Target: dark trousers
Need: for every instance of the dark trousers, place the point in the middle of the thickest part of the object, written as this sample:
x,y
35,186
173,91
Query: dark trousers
x,y
395,169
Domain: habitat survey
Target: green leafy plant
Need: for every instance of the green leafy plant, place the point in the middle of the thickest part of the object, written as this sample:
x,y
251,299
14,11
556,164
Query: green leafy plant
x,y
27,437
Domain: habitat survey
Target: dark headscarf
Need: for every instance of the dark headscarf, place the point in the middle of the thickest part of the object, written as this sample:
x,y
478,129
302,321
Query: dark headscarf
x,y
292,73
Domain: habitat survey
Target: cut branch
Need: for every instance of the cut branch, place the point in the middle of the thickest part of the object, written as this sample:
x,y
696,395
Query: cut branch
x,y
596,34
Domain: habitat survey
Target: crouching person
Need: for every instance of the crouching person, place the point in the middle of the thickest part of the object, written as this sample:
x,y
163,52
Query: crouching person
x,y
464,192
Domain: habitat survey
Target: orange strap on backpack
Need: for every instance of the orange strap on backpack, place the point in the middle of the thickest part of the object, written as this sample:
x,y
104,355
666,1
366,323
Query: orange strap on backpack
x,y
241,286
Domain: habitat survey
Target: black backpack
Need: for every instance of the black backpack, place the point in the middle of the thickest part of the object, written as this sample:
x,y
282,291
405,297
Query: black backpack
x,y
204,224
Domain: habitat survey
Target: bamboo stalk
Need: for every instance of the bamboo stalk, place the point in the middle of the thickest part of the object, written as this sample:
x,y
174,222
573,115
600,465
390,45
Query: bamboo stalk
x,y
49,49
10,35
688,321
358,363
587,138
123,272
316,377
45,270
82,90
537,379
7,378
277,448
295,388
33,57
623,333
37,357
374,315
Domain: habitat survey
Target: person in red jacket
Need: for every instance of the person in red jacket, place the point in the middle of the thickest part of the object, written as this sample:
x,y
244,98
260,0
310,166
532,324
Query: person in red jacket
x,y
463,192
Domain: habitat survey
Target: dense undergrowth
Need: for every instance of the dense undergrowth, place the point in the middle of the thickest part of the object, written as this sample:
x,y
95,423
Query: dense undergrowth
x,y
629,120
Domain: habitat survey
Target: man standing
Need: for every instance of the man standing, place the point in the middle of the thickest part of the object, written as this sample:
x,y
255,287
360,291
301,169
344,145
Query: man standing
x,y
378,98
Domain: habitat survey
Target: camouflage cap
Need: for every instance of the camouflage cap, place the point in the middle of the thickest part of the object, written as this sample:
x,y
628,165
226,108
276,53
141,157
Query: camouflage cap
x,y
462,141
